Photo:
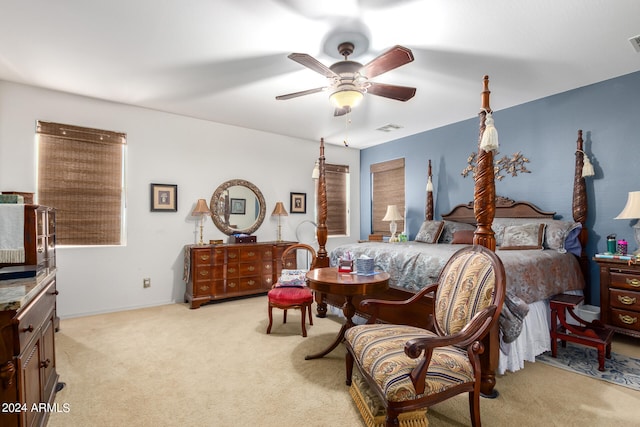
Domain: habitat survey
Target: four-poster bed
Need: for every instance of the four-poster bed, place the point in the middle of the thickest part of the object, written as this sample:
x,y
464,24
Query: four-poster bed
x,y
481,212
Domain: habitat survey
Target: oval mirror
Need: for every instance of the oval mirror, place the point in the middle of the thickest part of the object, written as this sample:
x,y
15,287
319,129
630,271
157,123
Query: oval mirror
x,y
237,206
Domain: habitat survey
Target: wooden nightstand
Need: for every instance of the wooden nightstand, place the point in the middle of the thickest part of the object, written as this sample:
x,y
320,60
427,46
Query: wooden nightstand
x,y
620,296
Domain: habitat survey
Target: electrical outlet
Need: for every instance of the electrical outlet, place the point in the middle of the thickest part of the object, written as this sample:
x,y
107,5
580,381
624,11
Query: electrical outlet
x,y
146,282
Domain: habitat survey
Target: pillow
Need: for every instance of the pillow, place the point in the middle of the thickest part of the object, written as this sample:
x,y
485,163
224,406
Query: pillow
x,y
463,237
558,233
291,279
430,232
526,236
451,227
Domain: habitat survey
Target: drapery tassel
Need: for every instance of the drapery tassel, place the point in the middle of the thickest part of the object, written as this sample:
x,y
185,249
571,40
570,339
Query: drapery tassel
x,y
429,184
587,167
489,141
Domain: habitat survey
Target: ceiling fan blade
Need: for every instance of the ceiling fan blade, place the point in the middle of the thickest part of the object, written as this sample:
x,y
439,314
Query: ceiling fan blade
x,y
393,58
301,93
313,64
341,111
400,93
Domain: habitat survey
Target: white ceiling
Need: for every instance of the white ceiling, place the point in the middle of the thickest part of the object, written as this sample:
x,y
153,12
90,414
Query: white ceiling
x,y
226,60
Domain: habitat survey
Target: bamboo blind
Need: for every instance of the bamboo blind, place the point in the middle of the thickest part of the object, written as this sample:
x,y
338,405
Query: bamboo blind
x,y
80,174
336,177
387,188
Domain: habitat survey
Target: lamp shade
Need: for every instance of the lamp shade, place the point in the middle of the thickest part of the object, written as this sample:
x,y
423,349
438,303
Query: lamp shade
x,y
392,214
279,210
632,208
346,98
315,174
201,208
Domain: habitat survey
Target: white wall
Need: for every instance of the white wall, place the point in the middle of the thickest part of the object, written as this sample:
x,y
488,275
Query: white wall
x,y
161,148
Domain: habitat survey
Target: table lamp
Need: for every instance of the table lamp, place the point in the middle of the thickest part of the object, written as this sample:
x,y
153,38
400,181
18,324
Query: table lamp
x,y
632,211
201,210
279,211
392,215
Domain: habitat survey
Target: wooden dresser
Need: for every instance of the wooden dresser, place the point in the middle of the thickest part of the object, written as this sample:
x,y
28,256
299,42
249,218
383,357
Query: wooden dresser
x,y
28,377
620,296
216,272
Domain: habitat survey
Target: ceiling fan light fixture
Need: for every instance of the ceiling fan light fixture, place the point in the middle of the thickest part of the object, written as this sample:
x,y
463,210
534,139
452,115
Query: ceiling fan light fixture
x,y
346,98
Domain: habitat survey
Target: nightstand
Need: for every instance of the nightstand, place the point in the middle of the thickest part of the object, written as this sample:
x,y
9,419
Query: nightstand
x,y
620,295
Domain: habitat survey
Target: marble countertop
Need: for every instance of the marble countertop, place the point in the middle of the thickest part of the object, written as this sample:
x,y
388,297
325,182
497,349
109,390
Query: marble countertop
x,y
17,293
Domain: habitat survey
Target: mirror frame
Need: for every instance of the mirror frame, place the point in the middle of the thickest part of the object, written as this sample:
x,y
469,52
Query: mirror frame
x,y
216,216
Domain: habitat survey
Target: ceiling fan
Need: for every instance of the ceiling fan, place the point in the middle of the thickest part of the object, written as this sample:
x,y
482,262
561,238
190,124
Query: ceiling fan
x,y
349,80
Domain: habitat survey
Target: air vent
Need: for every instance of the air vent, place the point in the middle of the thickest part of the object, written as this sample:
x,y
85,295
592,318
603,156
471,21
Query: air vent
x,y
635,42
390,127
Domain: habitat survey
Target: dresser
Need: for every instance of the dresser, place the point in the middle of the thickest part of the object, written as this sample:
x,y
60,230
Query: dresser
x,y
28,377
217,272
620,296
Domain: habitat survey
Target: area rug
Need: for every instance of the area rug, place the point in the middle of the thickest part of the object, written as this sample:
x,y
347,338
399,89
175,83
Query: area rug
x,y
621,370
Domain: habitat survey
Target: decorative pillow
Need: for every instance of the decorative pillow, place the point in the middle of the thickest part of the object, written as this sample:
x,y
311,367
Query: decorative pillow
x,y
463,237
526,236
292,279
558,233
451,227
430,232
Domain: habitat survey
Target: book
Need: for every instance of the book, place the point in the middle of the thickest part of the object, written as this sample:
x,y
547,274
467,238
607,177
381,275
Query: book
x,y
614,256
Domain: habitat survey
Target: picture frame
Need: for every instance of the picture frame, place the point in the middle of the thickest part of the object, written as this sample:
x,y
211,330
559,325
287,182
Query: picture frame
x,y
298,203
238,206
164,198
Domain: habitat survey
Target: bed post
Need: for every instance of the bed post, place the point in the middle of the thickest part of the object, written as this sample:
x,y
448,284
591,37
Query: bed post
x,y
428,211
322,259
579,206
484,207
484,193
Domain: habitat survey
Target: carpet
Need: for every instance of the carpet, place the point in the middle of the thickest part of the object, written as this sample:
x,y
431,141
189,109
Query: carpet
x,y
620,370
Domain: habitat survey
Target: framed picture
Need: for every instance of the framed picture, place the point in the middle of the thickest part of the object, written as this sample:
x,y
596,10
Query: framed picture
x,y
164,198
298,203
238,206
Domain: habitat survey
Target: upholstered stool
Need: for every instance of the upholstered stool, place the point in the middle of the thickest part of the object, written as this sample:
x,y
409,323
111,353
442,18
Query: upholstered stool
x,y
373,412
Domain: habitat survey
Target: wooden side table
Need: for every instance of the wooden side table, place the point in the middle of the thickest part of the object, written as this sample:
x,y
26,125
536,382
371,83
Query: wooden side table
x,y
592,334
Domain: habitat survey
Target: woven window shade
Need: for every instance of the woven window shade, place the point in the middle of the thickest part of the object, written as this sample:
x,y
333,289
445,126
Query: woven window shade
x,y
336,177
80,175
387,184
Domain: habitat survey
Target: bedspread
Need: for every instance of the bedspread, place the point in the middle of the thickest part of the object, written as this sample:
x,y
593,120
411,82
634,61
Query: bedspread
x,y
532,275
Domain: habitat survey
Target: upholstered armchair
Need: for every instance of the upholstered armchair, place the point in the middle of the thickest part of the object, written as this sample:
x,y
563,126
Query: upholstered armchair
x,y
290,291
411,368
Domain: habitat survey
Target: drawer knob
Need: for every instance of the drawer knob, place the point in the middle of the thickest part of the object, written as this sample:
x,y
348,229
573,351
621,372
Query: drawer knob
x,y
232,284
55,292
252,282
634,282
251,268
231,270
251,254
626,319
204,257
232,256
28,329
45,363
627,300
204,272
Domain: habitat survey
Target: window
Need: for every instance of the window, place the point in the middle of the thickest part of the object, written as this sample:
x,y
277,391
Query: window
x,y
81,175
337,184
387,188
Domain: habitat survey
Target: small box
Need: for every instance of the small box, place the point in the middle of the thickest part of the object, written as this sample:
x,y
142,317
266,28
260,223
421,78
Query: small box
x,y
242,239
345,265
11,198
365,266
27,197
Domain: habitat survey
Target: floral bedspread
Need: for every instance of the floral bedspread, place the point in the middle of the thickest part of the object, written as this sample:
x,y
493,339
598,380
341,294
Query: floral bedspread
x,y
532,275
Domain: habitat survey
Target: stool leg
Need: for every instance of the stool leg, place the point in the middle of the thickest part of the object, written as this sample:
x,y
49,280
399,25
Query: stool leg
x,y
554,325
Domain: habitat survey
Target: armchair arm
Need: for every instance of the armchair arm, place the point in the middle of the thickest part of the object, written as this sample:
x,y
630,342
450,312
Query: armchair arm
x,y
468,336
375,304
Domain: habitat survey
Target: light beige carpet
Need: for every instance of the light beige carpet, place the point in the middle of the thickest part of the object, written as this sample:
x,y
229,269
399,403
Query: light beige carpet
x,y
215,366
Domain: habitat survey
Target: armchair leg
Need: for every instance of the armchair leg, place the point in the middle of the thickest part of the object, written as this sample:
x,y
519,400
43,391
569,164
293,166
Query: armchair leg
x,y
474,408
349,367
303,315
392,419
284,319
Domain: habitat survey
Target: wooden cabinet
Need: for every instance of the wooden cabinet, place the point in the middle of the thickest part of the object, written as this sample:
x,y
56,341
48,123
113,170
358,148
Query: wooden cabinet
x,y
28,377
27,351
620,296
215,272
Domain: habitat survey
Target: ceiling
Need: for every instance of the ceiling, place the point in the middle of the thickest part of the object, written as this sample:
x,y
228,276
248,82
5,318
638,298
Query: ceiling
x,y
226,60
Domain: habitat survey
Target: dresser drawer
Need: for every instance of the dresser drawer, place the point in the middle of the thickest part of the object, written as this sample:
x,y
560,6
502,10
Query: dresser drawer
x,y
250,254
28,322
250,284
625,319
625,279
626,300
247,269
202,257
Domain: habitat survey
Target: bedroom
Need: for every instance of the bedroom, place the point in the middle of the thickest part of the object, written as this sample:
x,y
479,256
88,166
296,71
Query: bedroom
x,y
198,155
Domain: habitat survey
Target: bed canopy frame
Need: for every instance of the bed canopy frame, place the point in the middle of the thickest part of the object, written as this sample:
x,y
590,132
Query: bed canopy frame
x,y
484,211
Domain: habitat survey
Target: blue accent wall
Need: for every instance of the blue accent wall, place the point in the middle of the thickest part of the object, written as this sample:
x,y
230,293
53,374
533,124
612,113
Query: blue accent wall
x,y
545,131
